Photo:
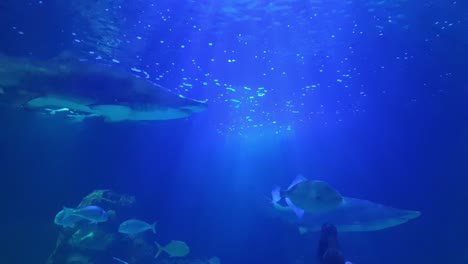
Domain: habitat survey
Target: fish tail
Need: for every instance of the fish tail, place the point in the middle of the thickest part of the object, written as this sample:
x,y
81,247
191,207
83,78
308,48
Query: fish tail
x,y
153,227
276,194
159,249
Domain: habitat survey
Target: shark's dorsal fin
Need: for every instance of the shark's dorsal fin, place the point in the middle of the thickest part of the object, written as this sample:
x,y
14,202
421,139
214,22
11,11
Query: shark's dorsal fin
x,y
299,178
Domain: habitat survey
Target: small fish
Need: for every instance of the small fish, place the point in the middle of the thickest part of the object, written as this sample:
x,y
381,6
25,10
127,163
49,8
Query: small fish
x,y
66,218
134,226
309,196
175,248
93,213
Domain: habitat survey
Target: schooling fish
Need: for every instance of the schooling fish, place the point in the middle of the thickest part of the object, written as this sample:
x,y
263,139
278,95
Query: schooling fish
x,y
134,226
310,196
174,248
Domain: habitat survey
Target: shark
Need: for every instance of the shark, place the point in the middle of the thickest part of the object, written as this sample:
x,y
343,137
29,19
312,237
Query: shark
x,y
353,215
81,89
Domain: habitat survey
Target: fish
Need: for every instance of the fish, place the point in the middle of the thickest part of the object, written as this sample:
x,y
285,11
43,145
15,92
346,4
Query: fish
x,y
84,89
175,248
69,217
92,213
308,196
134,226
66,218
354,215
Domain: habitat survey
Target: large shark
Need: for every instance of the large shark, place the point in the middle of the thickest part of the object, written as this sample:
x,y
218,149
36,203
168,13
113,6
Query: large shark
x,y
353,215
81,89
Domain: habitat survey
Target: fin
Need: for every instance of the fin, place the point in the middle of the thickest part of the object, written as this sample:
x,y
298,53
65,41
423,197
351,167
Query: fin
x,y
159,250
302,230
270,200
276,195
297,180
299,212
153,227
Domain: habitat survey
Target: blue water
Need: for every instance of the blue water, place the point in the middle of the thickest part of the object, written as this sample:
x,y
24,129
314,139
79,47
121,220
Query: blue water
x,y
369,96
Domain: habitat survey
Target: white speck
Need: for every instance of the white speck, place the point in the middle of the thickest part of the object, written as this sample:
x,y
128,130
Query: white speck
x,y
139,37
115,61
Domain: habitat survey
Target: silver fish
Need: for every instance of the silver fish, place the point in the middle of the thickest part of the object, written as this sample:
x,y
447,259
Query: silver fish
x,y
66,218
93,213
134,226
175,248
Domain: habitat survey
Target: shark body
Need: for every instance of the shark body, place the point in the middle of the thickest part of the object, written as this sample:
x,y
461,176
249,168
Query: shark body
x,y
354,215
83,89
